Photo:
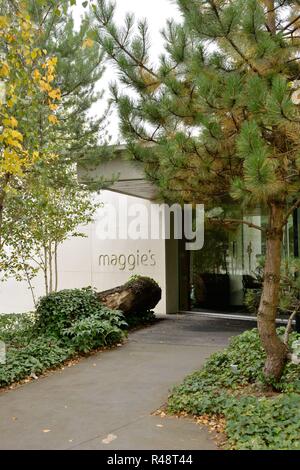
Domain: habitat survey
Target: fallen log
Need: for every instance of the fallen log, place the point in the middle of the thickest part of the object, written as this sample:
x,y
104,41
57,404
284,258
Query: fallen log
x,y
137,296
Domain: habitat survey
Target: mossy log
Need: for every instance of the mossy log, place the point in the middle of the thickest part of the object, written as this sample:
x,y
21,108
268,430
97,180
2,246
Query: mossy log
x,y
139,295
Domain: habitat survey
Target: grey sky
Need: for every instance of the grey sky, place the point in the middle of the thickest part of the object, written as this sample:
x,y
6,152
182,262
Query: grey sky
x,y
156,12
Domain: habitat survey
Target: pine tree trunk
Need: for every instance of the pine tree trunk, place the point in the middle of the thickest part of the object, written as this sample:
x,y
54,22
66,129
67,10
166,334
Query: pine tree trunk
x,y
275,349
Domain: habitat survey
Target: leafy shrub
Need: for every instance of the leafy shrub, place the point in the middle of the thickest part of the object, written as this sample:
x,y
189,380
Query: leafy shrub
x,y
15,328
224,386
101,329
65,323
144,318
61,310
33,358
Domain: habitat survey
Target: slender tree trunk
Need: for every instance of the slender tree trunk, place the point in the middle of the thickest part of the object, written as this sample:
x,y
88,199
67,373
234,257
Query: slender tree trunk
x,y
3,187
56,266
50,268
275,349
29,281
46,270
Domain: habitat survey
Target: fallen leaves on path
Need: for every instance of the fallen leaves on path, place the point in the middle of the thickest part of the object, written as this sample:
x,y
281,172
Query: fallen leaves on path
x,y
214,422
109,438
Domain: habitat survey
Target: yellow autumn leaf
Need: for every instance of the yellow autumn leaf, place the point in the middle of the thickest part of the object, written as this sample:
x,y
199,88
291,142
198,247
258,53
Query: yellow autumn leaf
x,y
36,74
53,106
53,61
44,86
13,143
25,35
3,22
10,122
16,135
88,42
11,101
11,163
4,70
10,38
34,54
52,119
55,94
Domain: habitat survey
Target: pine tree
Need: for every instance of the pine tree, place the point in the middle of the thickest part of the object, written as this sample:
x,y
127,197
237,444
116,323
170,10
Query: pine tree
x,y
220,117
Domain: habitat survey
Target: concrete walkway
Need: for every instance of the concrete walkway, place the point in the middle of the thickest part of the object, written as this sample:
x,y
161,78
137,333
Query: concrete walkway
x,y
106,401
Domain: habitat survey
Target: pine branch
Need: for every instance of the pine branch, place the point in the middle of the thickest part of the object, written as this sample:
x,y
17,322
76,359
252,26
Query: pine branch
x,y
237,222
291,211
271,16
291,23
123,48
230,40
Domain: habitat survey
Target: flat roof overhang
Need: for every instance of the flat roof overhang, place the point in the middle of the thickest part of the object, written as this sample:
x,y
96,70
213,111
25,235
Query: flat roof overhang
x,y
118,175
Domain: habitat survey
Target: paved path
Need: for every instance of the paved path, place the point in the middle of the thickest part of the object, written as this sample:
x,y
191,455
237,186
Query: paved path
x,y
115,392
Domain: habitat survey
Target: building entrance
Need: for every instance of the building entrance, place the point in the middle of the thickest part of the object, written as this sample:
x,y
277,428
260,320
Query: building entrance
x,y
218,277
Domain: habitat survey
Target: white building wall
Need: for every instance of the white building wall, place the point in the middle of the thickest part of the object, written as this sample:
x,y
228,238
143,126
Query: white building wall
x,y
80,264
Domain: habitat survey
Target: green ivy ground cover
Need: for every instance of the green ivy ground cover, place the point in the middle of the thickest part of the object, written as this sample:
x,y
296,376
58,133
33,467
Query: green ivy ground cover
x,y
231,385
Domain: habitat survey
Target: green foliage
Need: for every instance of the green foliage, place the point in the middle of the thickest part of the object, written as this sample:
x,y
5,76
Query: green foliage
x,y
230,384
140,319
289,287
48,203
49,212
35,357
15,328
136,277
265,424
100,329
216,116
215,125
60,310
65,324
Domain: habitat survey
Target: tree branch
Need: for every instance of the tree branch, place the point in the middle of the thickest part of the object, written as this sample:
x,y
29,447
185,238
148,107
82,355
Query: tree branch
x,y
290,212
237,222
289,326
